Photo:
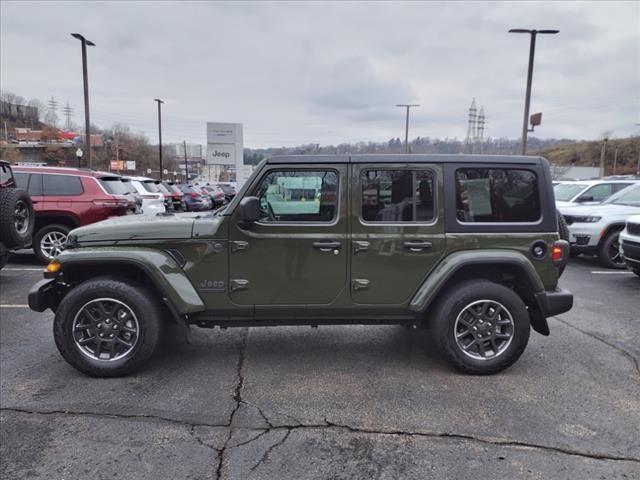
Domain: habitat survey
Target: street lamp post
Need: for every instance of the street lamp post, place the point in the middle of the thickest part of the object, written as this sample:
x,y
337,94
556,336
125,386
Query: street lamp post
x,y
160,102
85,76
527,100
406,124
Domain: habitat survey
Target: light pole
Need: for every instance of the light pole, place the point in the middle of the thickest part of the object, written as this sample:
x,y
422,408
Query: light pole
x,y
160,102
406,124
85,76
527,100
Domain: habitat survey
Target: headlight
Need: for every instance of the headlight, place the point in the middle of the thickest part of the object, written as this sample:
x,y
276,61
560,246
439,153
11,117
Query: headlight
x,y
586,219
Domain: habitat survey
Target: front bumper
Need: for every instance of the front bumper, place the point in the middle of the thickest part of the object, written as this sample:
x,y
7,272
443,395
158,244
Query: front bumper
x,y
43,295
630,249
554,302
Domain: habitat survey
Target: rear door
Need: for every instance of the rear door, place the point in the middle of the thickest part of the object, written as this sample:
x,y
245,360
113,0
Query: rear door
x,y
397,230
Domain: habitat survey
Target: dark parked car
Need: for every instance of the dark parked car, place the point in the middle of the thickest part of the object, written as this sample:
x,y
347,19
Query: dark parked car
x,y
66,198
228,188
176,195
195,199
414,240
215,193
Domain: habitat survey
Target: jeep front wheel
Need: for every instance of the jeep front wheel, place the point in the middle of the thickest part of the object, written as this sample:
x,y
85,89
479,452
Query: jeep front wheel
x,y
107,328
481,327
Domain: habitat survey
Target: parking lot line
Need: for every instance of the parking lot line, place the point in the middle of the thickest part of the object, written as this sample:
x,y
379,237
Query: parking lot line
x,y
10,269
613,272
13,305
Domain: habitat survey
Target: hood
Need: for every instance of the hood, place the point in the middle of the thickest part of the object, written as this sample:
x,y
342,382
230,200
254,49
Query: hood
x,y
141,227
602,209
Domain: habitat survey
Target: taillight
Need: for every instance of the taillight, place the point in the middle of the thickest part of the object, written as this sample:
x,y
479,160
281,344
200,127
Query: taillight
x,y
194,195
113,203
559,252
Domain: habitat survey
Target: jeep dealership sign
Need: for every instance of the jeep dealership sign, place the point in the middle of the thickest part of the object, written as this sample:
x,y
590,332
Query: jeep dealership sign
x,y
224,144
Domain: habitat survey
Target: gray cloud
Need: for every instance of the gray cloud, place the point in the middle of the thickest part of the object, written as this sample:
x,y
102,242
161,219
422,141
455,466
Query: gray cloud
x,y
329,72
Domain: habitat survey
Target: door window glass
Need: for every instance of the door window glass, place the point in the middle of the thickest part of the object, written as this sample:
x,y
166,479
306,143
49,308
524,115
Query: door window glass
x,y
496,195
62,185
397,196
598,193
298,196
22,179
35,184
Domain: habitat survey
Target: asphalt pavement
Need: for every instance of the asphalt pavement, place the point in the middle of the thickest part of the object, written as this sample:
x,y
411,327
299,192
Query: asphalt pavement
x,y
355,402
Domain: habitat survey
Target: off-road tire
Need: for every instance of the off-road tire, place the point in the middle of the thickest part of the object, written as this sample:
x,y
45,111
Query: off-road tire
x,y
37,239
454,300
144,303
9,234
4,256
603,251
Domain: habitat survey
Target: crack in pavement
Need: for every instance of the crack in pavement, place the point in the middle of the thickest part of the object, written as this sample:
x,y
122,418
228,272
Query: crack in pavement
x,y
438,435
237,396
265,455
124,416
627,354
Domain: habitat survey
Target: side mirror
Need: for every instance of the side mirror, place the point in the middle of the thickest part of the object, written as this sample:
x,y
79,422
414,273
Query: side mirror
x,y
585,198
249,208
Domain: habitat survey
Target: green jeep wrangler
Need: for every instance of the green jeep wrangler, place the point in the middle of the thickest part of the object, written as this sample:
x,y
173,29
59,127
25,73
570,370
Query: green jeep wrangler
x,y
465,245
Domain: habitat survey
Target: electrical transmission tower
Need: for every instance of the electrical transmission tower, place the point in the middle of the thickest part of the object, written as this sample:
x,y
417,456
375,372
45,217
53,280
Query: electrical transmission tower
x,y
52,112
68,112
479,140
475,131
471,129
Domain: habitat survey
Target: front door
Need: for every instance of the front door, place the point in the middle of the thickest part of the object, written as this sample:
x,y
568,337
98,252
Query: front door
x,y
296,253
397,230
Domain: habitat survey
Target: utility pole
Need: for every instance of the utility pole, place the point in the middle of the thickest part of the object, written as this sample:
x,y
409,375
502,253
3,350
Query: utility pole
x,y
602,150
527,98
160,102
85,79
186,168
406,124
615,160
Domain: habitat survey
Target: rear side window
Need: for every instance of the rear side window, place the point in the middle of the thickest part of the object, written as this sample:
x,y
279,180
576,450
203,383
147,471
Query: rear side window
x,y
62,185
397,196
496,195
35,184
22,179
114,186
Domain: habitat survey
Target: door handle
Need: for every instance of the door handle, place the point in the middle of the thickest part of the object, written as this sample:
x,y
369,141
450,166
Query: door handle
x,y
327,246
360,246
417,246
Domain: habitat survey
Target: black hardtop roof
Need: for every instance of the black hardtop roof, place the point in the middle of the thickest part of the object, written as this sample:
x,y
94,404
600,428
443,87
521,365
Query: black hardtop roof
x,y
405,158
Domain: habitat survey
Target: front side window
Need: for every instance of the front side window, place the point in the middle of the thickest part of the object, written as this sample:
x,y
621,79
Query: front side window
x,y
397,196
62,185
597,193
298,196
497,195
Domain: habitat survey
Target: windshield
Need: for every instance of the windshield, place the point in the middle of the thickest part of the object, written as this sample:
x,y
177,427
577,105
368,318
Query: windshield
x,y
566,191
162,188
150,187
114,186
628,196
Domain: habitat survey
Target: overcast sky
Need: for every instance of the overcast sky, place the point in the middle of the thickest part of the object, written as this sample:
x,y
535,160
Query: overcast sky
x,y
325,73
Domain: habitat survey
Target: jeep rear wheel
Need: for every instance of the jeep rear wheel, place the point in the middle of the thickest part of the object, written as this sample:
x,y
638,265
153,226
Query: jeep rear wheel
x,y
481,327
107,328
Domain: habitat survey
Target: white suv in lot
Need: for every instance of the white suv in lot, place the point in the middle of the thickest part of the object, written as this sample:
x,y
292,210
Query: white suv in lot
x,y
152,198
588,192
630,244
596,228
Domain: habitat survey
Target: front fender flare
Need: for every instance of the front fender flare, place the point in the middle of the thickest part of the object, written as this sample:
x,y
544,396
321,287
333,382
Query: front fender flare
x,y
159,266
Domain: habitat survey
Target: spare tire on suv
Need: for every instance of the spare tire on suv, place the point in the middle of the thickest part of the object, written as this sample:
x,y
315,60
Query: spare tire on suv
x,y
16,218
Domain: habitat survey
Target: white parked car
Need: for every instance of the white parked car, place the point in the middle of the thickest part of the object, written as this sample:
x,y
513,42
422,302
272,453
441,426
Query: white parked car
x,y
588,192
630,244
596,228
152,198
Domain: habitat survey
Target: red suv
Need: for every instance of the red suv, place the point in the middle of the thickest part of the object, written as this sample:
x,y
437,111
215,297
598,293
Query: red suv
x,y
66,198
